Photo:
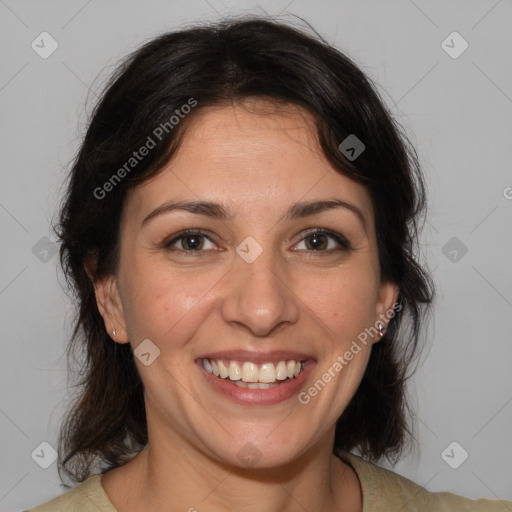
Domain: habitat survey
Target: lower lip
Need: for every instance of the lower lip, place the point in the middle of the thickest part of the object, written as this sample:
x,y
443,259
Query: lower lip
x,y
246,396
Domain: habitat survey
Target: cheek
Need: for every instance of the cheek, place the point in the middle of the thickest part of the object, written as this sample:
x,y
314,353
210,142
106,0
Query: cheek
x,y
159,304
344,301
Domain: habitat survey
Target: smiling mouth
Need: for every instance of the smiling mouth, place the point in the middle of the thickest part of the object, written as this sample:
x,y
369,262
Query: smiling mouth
x,y
246,374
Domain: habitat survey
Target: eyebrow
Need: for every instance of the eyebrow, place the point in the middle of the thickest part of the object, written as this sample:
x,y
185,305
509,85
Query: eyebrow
x,y
218,211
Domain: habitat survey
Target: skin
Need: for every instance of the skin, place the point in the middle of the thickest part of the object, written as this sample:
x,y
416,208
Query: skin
x,y
257,159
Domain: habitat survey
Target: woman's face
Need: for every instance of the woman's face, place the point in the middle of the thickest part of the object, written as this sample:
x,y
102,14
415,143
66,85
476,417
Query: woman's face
x,y
261,284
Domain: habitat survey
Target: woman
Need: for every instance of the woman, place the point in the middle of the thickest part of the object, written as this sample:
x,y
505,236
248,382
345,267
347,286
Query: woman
x,y
240,231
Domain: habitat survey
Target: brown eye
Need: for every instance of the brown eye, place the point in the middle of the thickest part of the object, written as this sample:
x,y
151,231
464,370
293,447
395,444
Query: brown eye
x,y
317,241
325,241
189,241
192,242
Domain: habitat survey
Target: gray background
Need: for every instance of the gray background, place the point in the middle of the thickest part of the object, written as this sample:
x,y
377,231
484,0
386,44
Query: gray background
x,y
458,114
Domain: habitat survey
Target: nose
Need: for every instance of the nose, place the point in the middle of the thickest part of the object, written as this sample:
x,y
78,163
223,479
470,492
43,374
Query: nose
x,y
259,297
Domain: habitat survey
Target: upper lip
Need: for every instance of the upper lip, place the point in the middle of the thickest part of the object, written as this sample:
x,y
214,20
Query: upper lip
x,y
258,357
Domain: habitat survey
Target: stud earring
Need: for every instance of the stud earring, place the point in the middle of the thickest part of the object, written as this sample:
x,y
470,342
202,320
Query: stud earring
x,y
381,330
114,333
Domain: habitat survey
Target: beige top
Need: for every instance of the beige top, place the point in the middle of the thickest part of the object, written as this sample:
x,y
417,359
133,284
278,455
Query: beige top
x,y
383,491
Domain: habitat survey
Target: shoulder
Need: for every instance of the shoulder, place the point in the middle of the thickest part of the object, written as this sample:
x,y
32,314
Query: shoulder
x,y
384,490
88,495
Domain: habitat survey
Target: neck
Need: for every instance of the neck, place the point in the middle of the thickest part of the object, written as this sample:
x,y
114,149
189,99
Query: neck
x,y
172,472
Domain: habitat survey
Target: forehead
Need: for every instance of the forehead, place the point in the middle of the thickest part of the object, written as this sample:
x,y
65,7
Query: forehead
x,y
253,155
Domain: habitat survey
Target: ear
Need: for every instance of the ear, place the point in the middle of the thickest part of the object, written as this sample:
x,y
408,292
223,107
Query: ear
x,y
109,304
388,295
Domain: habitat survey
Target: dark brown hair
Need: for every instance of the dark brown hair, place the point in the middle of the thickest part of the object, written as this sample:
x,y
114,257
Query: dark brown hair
x,y
216,64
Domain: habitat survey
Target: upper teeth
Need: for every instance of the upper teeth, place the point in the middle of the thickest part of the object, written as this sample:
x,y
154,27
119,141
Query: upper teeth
x,y
251,372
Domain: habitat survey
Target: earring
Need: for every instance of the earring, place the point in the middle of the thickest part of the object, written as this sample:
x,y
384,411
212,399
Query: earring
x,y
381,330
114,333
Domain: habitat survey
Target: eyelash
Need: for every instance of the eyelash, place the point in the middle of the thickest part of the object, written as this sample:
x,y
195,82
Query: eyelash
x,y
340,239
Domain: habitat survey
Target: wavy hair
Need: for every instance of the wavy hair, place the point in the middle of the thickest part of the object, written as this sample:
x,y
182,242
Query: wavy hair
x,y
217,64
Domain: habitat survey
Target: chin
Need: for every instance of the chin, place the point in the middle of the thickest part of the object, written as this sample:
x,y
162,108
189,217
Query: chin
x,y
262,452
